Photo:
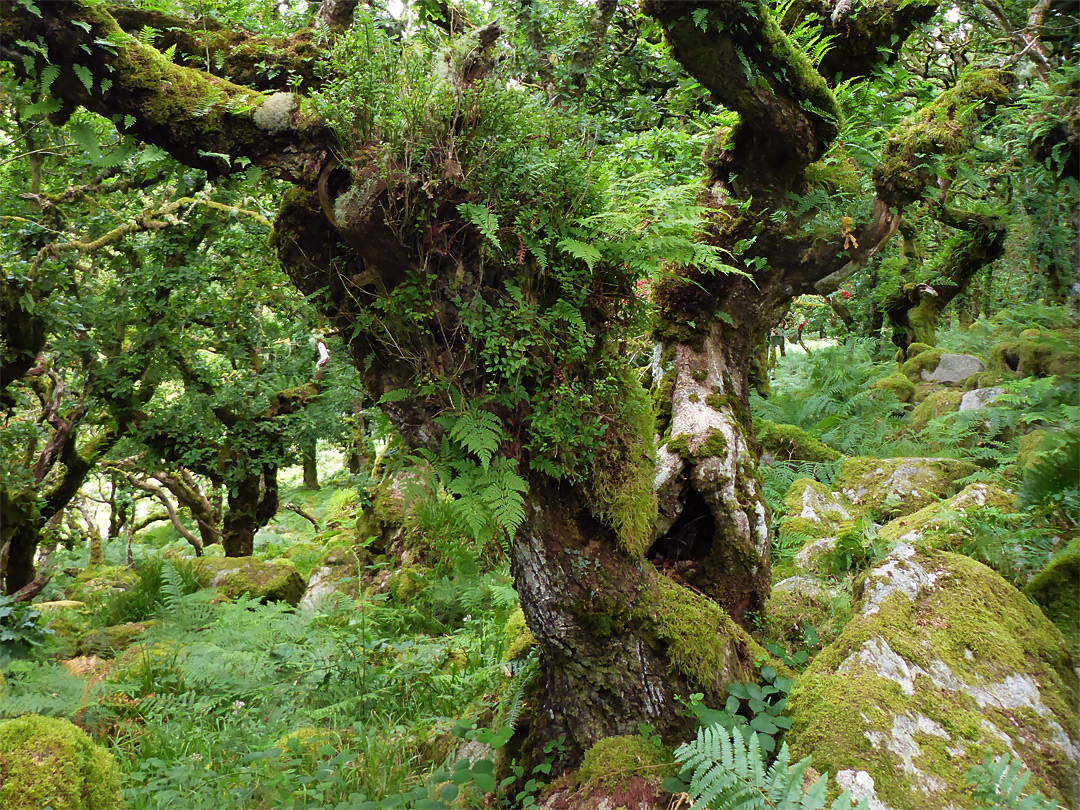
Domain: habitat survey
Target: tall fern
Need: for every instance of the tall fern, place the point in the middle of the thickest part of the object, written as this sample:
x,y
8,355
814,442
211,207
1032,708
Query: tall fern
x,y
727,773
1000,785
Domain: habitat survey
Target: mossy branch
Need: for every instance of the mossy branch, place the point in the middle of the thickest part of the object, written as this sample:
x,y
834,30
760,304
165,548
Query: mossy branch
x,y
202,120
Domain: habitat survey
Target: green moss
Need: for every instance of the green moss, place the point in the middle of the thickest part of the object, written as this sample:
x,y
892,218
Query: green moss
x,y
625,467
791,443
517,638
49,762
936,404
1050,354
97,583
971,629
405,583
945,127
938,517
900,386
893,487
916,349
923,361
811,509
114,639
1057,590
694,397
703,642
277,581
1031,446
613,760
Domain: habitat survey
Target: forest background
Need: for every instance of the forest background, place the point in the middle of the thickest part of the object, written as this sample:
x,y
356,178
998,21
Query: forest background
x,y
453,324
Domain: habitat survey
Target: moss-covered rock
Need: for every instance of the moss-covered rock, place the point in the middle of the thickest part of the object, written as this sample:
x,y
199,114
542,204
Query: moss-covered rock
x,y
942,660
938,520
276,581
893,487
1031,445
517,637
108,641
1057,590
803,600
339,570
811,509
923,361
915,349
48,762
936,404
1046,354
791,443
405,583
155,667
98,583
900,386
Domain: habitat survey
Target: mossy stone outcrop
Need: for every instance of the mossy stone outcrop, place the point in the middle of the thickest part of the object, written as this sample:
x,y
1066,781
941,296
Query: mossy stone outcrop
x,y
937,403
1043,354
276,581
339,570
1057,590
49,762
899,385
942,660
914,366
936,524
893,487
811,509
98,583
790,443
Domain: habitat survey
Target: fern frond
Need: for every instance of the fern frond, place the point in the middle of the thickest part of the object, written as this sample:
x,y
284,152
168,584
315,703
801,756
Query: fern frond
x,y
728,773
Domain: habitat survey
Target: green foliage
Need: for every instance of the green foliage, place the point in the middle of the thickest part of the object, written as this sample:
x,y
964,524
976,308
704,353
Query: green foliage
x,y
21,629
1050,485
857,547
160,585
726,771
999,784
752,709
828,394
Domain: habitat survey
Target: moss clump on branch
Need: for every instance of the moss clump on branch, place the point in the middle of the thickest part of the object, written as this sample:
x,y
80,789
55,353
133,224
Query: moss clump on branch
x,y
945,127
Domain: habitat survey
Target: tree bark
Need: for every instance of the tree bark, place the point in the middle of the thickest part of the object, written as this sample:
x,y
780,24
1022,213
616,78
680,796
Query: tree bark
x,y
309,459
252,504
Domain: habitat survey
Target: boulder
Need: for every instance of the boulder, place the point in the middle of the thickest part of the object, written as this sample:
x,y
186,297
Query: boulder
x,y
937,403
915,365
96,584
337,571
901,387
802,600
979,398
790,443
1057,590
813,510
276,581
810,556
108,641
953,369
48,762
1040,354
893,487
942,660
939,517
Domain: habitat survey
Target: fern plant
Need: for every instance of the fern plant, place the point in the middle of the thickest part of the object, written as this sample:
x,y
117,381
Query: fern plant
x,y
728,773
999,784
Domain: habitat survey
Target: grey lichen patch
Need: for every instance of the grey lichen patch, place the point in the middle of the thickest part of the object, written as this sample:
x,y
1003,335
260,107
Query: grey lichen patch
x,y
275,113
813,510
943,660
